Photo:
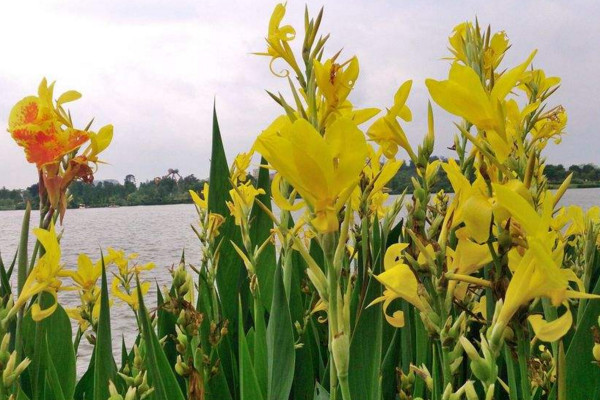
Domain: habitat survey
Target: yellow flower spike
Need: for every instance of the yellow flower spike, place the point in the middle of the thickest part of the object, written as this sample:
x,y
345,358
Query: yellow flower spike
x,y
201,202
243,199
464,95
387,132
87,273
277,41
536,81
240,166
131,299
431,170
553,330
323,169
336,82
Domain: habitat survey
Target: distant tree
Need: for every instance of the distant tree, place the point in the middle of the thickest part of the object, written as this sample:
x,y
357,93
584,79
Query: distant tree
x,y
129,178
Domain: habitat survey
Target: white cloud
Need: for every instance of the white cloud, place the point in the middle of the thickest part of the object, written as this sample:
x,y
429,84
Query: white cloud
x,y
153,68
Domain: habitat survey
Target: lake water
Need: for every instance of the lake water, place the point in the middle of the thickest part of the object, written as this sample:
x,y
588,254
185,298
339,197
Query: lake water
x,y
156,233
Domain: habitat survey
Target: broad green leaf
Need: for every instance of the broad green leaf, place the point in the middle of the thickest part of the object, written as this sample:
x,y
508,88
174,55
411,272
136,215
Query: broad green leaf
x,y
260,230
582,375
249,388
105,368
52,377
280,344
366,348
390,362
161,376
85,387
231,274
54,330
366,341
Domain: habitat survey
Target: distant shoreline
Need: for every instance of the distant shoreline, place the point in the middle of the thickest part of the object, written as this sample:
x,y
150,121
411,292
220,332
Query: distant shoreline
x,y
552,186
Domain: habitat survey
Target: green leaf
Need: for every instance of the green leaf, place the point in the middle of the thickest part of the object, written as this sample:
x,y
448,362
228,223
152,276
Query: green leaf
x,y
320,392
249,388
389,365
85,387
231,273
582,376
366,342
366,348
161,375
260,230
104,368
52,377
260,349
280,344
54,332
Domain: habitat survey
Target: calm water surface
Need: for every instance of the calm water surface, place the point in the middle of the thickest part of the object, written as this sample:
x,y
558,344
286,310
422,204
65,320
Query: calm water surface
x,y
156,233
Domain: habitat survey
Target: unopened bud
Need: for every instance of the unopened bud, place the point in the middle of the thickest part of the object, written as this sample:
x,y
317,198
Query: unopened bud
x,y
341,348
596,351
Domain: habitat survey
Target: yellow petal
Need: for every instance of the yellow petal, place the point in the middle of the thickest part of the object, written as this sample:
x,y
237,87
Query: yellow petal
x,y
393,255
553,330
38,314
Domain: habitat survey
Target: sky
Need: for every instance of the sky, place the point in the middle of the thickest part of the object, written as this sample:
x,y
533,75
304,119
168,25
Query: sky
x,y
154,69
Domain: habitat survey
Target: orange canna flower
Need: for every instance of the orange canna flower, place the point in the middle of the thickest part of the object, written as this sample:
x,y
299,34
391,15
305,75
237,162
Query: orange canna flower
x,y
43,129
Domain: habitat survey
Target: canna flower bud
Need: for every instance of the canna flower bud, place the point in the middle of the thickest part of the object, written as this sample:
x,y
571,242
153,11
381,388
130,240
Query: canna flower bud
x,y
112,390
596,352
131,394
341,353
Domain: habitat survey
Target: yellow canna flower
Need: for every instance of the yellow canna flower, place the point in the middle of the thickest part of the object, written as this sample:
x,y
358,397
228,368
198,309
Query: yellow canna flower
x,y
44,275
494,53
464,95
129,298
240,166
375,176
536,84
43,128
87,273
387,132
471,204
468,257
322,169
243,199
334,81
400,282
277,41
201,202
537,273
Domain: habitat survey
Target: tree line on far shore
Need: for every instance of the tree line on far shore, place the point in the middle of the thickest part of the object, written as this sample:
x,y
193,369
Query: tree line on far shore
x,y
173,188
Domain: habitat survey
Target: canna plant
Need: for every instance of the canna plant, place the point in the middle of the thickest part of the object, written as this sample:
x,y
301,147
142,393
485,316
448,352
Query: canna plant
x,y
314,282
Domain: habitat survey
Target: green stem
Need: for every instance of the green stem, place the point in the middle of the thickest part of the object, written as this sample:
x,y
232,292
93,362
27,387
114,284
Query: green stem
x,y
22,277
523,354
345,387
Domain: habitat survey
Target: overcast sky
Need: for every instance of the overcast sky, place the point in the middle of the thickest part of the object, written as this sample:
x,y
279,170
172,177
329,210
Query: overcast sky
x,y
152,68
